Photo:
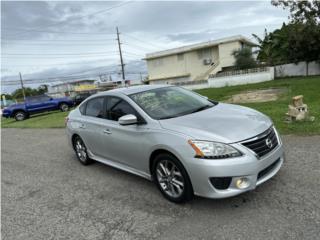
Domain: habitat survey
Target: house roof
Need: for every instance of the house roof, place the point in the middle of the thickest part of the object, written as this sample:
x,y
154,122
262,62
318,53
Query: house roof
x,y
71,82
197,46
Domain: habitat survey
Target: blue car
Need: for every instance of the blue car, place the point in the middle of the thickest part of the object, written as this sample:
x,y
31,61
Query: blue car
x,y
36,104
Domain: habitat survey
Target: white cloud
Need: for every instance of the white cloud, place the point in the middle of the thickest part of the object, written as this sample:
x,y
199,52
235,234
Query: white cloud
x,y
146,27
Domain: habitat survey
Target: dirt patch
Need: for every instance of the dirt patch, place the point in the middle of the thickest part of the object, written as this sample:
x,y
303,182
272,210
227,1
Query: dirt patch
x,y
264,95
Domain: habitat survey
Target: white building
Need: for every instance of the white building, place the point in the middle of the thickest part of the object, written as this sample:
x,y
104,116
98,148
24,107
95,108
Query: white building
x,y
194,62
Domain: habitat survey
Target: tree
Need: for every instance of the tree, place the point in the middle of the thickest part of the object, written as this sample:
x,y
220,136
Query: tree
x,y
7,96
42,89
244,58
292,43
301,11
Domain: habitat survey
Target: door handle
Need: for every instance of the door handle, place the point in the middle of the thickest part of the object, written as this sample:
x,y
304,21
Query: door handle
x,y
107,131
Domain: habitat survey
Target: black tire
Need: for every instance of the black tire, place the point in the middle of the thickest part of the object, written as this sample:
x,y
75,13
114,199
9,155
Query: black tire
x,y
83,156
187,190
63,107
20,115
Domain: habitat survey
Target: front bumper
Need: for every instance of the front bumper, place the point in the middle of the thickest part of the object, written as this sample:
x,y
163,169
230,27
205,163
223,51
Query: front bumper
x,y
255,170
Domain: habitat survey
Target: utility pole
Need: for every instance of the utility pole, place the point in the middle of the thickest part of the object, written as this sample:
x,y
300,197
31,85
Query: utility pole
x,y
120,52
22,87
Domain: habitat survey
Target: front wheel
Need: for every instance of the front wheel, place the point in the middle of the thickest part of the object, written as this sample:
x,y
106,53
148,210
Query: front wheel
x,y
64,107
172,179
20,116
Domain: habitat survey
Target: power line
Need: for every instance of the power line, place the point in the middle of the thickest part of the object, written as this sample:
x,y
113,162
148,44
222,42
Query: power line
x,y
80,17
45,31
63,40
142,40
37,65
58,54
137,46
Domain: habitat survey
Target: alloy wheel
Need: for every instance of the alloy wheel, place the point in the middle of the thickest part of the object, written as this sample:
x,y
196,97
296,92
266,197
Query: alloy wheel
x,y
81,150
170,178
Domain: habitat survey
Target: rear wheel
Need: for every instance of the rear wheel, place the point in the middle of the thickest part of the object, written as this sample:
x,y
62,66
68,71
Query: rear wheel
x,y
81,151
172,179
64,107
20,116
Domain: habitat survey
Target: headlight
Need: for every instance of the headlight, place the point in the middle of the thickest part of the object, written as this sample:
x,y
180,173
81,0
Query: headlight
x,y
213,150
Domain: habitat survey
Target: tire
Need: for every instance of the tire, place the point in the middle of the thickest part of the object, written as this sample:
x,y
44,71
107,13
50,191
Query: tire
x,y
171,178
20,115
81,151
63,107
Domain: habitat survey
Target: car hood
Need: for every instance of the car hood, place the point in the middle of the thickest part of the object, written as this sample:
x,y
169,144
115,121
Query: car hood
x,y
226,123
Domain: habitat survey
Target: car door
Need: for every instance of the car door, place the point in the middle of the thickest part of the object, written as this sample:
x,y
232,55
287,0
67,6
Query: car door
x,y
125,144
47,103
93,125
33,104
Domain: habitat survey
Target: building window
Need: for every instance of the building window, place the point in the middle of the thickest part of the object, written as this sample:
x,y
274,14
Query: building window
x,y
180,56
204,53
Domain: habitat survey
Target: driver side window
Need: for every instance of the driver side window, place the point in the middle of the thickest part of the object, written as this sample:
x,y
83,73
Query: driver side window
x,y
117,108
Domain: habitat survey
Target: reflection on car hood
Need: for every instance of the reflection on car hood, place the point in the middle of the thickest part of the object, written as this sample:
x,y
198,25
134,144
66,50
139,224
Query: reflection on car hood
x,y
223,123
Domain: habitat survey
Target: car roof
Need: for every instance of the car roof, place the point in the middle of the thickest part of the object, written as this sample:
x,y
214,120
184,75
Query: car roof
x,y
133,89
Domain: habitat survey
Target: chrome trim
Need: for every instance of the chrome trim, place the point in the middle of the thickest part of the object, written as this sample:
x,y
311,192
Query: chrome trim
x,y
261,136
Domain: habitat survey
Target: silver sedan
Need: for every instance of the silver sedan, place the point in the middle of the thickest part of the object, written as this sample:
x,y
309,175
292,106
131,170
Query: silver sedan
x,y
187,144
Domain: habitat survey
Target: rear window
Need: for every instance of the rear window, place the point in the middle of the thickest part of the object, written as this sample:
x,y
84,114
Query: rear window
x,y
94,107
82,108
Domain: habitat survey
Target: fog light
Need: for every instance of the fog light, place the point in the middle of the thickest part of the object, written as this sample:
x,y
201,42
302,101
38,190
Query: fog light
x,y
242,183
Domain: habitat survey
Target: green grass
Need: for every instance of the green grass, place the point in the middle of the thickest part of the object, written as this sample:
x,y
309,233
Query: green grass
x,y
54,119
309,87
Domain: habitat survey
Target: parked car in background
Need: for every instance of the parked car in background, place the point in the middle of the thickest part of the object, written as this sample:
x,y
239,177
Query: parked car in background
x,y
5,104
80,97
184,142
36,104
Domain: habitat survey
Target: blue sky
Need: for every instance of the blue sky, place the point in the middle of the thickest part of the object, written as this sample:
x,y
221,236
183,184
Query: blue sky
x,y
69,40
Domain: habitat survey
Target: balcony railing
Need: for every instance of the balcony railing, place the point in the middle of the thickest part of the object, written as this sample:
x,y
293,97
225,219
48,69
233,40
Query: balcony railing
x,y
240,72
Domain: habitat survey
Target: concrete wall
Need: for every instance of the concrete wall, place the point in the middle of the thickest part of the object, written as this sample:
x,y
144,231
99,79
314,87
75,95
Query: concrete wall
x,y
234,78
300,69
225,53
242,79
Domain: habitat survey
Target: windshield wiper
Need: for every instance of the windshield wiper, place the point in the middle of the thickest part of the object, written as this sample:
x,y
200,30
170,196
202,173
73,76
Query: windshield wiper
x,y
201,108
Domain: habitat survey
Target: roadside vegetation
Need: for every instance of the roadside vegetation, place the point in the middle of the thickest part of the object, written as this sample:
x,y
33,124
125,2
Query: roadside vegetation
x,y
53,119
309,87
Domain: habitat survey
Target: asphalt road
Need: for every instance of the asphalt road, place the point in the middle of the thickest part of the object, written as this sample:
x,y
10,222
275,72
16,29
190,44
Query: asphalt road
x,y
47,194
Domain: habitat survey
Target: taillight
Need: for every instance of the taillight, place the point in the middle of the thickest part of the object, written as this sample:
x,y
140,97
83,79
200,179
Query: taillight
x,y
66,119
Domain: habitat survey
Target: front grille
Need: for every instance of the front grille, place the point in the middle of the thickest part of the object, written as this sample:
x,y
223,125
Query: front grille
x,y
263,143
268,169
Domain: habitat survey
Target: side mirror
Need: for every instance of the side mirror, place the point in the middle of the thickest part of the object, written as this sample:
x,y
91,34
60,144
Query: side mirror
x,y
128,119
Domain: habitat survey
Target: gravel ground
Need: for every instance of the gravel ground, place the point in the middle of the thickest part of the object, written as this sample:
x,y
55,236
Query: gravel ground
x,y
47,194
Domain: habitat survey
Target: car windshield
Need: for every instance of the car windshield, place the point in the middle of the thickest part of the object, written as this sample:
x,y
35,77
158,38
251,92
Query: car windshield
x,y
170,102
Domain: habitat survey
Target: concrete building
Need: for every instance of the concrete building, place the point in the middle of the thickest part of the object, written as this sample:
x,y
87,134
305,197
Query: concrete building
x,y
71,88
193,62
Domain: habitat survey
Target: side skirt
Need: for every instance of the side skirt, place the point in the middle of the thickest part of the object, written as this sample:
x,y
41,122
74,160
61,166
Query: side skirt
x,y
119,166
